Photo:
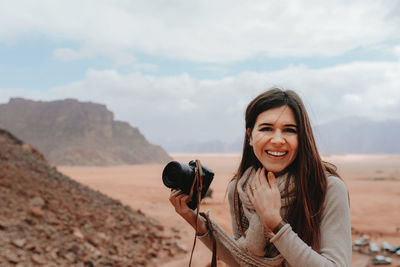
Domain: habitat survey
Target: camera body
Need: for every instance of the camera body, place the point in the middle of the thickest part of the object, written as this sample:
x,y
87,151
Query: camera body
x,y
178,175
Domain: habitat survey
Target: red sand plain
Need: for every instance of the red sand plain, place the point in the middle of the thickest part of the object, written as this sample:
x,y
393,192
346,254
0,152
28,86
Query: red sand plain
x,y
373,182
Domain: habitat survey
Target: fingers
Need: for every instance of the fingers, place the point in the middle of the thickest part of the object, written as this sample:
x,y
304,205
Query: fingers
x,y
257,179
249,189
272,180
174,194
260,178
178,199
263,177
250,193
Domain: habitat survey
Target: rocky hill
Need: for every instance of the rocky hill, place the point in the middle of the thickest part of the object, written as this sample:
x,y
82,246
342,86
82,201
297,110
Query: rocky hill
x,y
69,132
50,220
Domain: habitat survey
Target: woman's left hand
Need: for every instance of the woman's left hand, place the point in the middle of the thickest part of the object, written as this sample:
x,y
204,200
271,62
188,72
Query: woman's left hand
x,y
266,198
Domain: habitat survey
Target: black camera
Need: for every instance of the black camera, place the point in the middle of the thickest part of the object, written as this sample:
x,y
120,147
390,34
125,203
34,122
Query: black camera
x,y
177,175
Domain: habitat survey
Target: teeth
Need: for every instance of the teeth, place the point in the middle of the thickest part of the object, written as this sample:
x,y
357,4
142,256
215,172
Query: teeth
x,y
276,154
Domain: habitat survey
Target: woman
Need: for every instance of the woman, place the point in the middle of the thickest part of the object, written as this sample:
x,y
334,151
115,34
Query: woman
x,y
288,207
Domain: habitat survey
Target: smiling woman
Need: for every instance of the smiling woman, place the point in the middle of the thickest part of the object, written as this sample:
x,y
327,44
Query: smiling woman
x,y
288,207
274,138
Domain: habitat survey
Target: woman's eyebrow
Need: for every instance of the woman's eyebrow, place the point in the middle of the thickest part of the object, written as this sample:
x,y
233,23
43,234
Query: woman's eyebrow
x,y
271,124
265,124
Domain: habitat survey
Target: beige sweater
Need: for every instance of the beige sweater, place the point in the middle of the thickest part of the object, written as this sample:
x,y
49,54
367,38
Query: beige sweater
x,y
335,240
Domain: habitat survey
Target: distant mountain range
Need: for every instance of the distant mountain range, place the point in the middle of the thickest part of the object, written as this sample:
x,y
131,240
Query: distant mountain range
x,y
359,135
69,132
351,135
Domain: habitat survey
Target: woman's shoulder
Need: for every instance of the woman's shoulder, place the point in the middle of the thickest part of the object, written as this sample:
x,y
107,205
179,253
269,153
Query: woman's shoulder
x,y
336,204
336,184
337,192
231,184
231,187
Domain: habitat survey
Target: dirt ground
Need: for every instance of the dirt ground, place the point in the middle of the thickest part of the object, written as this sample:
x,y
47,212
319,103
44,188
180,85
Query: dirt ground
x,y
373,182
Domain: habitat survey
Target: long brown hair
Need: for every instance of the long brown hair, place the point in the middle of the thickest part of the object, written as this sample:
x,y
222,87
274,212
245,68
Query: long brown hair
x,y
310,172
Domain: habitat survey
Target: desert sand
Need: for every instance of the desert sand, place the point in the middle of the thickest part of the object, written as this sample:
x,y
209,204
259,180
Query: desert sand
x,y
373,182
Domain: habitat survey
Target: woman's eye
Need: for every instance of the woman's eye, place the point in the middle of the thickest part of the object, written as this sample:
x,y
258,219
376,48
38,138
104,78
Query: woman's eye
x,y
290,130
266,129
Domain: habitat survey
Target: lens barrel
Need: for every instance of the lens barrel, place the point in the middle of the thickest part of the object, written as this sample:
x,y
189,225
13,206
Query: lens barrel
x,y
178,175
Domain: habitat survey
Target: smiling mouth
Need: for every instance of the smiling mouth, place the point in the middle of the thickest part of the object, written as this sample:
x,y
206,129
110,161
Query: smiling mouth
x,y
276,153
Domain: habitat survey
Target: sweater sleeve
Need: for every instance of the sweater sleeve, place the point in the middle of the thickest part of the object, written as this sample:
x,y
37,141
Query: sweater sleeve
x,y
223,252
335,242
235,230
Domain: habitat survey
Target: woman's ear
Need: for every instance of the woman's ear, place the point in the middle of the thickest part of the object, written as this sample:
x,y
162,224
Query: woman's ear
x,y
248,133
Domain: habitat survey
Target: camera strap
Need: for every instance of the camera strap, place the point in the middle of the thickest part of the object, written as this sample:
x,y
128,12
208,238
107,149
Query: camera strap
x,y
198,186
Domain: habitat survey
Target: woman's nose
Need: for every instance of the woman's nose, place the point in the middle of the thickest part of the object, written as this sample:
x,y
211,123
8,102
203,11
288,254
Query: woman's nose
x,y
277,138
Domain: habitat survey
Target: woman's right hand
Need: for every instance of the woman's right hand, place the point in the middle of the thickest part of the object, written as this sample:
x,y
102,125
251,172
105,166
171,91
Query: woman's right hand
x,y
179,200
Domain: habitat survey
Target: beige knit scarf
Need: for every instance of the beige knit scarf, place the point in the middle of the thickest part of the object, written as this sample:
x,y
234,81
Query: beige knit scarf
x,y
256,238
252,250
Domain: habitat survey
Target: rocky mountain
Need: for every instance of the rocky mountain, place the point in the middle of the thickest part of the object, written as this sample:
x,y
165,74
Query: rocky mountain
x,y
69,132
48,219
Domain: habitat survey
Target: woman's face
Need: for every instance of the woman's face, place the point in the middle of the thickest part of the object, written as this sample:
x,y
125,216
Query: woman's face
x,y
274,138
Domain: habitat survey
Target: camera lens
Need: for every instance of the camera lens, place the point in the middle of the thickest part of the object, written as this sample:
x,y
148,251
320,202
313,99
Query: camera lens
x,y
177,175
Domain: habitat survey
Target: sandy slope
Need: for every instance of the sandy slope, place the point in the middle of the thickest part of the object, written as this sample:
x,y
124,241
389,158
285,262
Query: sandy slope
x,y
373,182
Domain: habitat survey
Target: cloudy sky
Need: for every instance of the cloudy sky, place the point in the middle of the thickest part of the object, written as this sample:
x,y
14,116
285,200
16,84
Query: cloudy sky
x,y
184,71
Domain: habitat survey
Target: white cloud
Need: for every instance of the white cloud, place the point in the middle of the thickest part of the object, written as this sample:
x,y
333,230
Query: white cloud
x,y
145,67
352,98
68,54
187,105
386,102
200,31
396,50
119,57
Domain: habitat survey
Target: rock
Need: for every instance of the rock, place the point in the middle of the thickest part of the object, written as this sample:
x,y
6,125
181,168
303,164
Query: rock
x,y
93,240
37,212
96,254
134,233
182,247
77,233
53,255
103,237
20,243
12,257
175,230
70,257
37,202
36,258
3,225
